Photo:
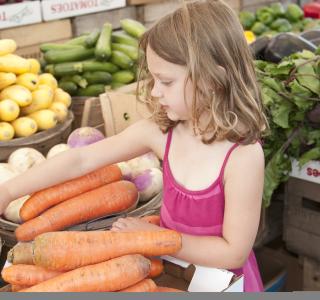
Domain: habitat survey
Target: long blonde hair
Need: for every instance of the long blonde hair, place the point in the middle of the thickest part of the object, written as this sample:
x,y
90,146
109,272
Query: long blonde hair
x,y
205,36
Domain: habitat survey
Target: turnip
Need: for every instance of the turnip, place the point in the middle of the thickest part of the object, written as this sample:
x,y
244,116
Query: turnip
x,y
125,170
84,136
148,183
12,212
24,158
57,149
143,162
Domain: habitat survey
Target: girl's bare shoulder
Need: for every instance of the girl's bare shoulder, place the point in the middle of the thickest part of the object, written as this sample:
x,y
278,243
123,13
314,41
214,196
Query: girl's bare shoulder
x,y
247,157
150,133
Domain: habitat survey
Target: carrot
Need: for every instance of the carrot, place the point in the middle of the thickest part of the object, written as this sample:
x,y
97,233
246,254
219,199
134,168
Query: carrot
x,y
67,250
113,275
110,198
16,287
164,289
156,267
21,253
146,285
27,275
153,219
46,198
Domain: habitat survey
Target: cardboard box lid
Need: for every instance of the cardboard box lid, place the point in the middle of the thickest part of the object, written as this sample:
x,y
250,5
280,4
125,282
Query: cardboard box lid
x,y
202,279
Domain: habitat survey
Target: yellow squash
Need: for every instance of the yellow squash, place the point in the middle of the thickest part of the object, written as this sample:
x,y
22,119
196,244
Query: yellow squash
x,y
24,127
17,93
7,46
14,63
7,79
6,131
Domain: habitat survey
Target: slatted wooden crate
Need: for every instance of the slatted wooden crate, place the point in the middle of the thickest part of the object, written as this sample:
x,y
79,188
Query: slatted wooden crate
x,y
302,218
311,274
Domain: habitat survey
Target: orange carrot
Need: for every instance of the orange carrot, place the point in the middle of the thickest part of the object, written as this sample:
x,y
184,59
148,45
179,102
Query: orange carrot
x,y
67,250
21,253
164,289
156,267
17,288
153,219
46,198
27,275
113,275
110,198
146,285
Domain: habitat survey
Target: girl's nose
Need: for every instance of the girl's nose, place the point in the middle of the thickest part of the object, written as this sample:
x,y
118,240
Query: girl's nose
x,y
156,92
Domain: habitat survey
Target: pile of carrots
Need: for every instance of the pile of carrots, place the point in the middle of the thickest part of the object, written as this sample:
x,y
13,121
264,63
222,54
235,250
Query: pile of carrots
x,y
94,261
97,194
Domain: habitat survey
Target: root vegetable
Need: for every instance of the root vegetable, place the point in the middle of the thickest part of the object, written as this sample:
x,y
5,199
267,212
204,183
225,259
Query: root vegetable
x,y
144,286
110,198
68,250
113,275
51,196
24,158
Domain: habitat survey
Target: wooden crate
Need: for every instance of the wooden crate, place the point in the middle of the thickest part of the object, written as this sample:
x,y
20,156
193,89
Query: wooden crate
x,y
139,2
87,112
302,217
311,274
87,23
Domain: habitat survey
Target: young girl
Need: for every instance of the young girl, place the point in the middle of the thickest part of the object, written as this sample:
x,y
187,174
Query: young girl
x,y
206,123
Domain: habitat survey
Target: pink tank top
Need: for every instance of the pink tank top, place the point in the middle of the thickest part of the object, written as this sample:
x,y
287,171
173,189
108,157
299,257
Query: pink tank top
x,y
201,213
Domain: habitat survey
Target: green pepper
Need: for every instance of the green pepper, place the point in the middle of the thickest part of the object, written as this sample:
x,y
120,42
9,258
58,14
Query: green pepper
x,y
294,13
281,25
247,19
277,9
258,28
265,15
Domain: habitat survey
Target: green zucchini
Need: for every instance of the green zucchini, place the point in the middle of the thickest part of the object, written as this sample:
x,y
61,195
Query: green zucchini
x,y
92,38
69,87
51,46
123,38
97,77
99,66
122,60
103,46
131,51
77,79
56,56
68,68
133,27
124,76
115,85
80,40
92,90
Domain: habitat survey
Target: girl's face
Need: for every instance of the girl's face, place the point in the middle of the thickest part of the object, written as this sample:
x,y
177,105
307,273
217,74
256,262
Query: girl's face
x,y
169,86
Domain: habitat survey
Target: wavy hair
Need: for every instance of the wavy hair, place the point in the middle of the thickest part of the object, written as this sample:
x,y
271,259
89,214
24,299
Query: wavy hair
x,y
207,37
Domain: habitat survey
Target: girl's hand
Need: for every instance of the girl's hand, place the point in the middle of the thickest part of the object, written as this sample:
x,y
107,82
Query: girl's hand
x,y
133,224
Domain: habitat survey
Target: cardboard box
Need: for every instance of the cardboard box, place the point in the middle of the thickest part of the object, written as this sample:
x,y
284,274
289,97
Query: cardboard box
x,y
310,171
121,110
193,278
13,15
60,9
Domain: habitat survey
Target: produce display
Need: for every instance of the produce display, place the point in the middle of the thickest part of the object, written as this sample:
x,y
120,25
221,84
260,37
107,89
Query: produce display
x,y
87,64
290,93
275,18
29,101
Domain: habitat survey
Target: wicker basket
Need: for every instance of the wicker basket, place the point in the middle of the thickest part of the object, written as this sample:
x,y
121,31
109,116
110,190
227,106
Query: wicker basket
x,y
151,207
41,141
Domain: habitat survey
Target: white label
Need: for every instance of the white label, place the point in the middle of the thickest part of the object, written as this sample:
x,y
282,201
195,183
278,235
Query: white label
x,y
309,172
59,9
13,15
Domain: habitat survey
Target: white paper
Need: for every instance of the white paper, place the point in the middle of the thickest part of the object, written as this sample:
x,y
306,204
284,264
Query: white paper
x,y
310,171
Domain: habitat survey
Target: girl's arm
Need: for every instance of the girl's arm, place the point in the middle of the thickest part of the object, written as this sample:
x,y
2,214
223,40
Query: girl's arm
x,y
134,141
244,176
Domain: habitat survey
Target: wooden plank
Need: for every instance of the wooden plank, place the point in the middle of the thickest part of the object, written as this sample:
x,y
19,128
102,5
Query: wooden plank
x,y
301,242
304,189
87,23
36,34
311,274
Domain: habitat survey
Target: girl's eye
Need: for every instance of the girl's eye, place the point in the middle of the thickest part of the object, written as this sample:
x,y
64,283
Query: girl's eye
x,y
166,82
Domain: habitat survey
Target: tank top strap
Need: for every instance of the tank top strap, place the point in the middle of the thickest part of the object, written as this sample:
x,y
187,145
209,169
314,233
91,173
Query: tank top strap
x,y
169,137
226,159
